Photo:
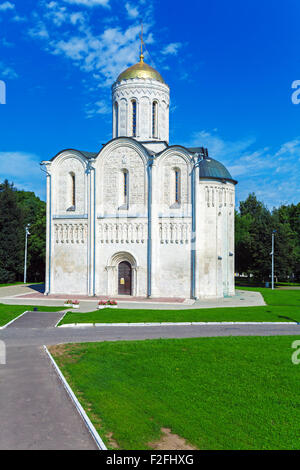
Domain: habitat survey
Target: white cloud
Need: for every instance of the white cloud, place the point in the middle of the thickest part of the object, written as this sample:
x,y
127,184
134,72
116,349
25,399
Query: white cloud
x,y
19,19
172,48
106,54
24,170
89,3
132,11
7,6
100,107
273,174
7,72
39,30
56,13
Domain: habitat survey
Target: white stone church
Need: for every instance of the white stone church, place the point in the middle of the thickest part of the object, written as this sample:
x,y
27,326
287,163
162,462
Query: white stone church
x,y
140,217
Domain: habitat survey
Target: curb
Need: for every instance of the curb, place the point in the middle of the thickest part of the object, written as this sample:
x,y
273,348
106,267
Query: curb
x,y
13,320
65,313
84,416
86,325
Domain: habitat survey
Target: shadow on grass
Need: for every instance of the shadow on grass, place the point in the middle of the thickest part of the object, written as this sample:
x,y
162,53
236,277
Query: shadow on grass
x,y
289,319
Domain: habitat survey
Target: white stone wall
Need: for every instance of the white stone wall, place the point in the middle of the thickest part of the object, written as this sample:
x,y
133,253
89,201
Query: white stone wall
x,y
171,225
144,92
69,228
114,159
215,239
69,257
62,168
87,244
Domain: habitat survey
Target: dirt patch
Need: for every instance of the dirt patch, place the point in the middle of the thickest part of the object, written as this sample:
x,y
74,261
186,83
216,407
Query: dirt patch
x,y
111,441
68,352
58,350
170,441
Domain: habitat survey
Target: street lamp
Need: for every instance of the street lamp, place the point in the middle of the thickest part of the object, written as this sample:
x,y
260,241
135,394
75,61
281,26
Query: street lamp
x,y
27,233
272,253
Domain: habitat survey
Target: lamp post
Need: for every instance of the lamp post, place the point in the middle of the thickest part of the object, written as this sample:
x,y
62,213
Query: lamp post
x,y
272,253
27,233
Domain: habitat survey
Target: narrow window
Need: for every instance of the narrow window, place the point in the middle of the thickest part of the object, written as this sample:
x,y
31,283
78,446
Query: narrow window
x,y
117,119
133,103
125,187
154,119
177,186
73,191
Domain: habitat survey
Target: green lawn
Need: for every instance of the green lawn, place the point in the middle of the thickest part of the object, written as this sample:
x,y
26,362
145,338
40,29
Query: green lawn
x,y
282,306
9,312
21,283
217,393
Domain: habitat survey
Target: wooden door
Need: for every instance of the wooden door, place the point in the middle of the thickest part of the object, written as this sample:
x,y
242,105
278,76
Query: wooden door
x,y
124,278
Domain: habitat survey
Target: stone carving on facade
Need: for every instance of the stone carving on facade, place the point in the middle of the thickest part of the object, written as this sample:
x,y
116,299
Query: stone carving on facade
x,y
174,232
119,232
70,232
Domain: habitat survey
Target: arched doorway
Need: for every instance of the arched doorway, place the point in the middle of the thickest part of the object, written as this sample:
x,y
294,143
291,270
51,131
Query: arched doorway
x,y
124,278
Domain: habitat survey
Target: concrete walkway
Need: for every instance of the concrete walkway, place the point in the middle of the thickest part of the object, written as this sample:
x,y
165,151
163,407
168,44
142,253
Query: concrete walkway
x,y
33,295
35,410
20,335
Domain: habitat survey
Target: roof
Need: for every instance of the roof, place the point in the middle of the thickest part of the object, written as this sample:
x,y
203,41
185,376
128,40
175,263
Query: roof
x,y
140,70
209,168
85,154
212,169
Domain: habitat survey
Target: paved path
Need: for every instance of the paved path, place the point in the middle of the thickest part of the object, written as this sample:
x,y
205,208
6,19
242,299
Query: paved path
x,y
34,407
35,410
21,334
33,295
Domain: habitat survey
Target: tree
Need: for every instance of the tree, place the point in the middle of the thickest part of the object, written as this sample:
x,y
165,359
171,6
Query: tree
x,y
34,213
11,235
254,227
37,246
260,230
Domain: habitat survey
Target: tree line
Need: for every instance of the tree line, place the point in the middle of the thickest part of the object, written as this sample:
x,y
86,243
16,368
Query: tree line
x,y
254,224
17,209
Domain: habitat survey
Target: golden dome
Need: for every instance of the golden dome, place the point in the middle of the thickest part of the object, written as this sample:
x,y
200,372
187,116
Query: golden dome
x,y
140,70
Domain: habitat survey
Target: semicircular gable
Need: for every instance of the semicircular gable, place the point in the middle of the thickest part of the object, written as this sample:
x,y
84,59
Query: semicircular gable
x,y
121,156
65,155
177,151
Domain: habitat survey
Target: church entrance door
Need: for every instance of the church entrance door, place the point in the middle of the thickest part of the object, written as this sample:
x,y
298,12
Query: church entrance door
x,y
125,278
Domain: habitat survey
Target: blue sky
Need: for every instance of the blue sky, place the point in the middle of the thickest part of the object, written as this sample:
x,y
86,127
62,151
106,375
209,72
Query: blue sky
x,y
230,66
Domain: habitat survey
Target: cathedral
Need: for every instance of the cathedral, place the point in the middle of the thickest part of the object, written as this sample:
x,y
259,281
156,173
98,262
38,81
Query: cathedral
x,y
140,217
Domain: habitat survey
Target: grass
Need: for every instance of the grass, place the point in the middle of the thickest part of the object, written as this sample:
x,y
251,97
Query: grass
x,y
281,306
10,312
20,283
217,393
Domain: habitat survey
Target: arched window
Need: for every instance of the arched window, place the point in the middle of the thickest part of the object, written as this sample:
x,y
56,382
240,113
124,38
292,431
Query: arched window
x,y
125,186
124,189
117,118
177,185
72,192
133,104
154,119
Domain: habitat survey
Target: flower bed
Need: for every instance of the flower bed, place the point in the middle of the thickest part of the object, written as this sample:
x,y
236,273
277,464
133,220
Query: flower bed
x,y
71,303
107,304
